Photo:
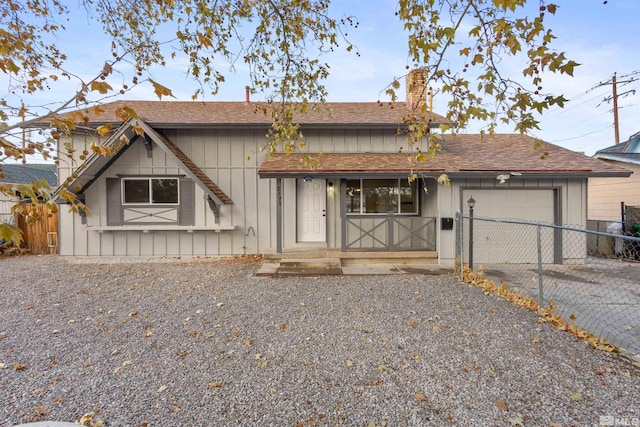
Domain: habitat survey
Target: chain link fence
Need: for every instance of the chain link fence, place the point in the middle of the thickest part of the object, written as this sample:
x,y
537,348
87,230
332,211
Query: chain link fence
x,y
592,278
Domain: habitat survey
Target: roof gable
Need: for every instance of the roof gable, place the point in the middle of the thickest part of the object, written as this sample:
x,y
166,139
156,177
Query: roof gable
x,y
96,164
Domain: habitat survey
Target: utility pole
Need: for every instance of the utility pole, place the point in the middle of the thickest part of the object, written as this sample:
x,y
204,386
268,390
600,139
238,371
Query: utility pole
x,y
615,109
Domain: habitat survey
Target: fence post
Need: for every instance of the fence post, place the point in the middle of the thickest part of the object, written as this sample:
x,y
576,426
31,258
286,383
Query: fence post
x,y
459,250
472,203
540,284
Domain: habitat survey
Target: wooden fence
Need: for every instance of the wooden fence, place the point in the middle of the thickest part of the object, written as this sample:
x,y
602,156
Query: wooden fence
x,y
40,237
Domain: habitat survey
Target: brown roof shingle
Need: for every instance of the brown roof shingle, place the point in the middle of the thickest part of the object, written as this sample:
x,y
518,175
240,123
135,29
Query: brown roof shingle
x,y
460,155
175,114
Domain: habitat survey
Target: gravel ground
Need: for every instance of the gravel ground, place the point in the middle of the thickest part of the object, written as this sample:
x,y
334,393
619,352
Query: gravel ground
x,y
204,342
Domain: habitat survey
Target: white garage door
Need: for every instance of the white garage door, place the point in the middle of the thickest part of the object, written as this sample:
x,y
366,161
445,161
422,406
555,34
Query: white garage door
x,y
515,243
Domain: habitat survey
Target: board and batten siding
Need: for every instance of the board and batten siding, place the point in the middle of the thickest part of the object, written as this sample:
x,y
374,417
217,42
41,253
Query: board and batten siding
x,y
571,196
231,158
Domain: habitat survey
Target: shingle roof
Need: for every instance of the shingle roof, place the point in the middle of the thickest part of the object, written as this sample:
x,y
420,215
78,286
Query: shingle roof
x,y
461,155
627,152
179,114
22,174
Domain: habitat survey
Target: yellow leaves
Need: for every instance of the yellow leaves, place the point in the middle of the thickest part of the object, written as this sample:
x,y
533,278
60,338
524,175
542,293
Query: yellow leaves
x,y
577,396
516,422
501,405
421,397
89,420
349,363
261,362
101,87
161,389
137,130
547,315
125,113
10,233
160,90
214,385
104,130
443,179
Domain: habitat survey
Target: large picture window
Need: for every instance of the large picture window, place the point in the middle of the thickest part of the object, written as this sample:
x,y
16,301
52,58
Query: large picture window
x,y
150,191
381,196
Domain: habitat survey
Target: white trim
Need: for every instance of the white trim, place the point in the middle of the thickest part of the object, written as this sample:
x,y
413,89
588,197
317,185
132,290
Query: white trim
x,y
150,228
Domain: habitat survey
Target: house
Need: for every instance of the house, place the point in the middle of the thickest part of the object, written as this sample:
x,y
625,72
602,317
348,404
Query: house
x,y
23,174
39,237
606,195
197,184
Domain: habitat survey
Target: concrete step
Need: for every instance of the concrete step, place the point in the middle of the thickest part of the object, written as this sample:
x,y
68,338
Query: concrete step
x,y
310,263
309,266
356,257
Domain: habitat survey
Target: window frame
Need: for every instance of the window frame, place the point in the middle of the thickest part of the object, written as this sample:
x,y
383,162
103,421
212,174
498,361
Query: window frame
x,y
150,180
398,203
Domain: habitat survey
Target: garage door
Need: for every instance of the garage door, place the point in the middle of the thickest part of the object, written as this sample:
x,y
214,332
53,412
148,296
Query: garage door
x,y
515,243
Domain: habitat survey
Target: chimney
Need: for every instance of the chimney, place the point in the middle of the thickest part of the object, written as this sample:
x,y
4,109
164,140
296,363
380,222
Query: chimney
x,y
416,85
247,99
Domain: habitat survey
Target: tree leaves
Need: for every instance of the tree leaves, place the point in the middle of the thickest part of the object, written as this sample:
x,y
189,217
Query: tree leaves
x,y
160,90
101,87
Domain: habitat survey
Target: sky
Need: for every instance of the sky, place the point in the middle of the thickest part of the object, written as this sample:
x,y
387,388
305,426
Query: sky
x,y
603,36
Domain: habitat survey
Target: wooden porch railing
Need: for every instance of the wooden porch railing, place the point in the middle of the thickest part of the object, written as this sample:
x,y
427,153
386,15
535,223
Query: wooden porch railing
x,y
388,232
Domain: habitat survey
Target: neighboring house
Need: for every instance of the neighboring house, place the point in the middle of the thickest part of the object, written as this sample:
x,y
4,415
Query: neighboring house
x,y
197,184
606,195
23,174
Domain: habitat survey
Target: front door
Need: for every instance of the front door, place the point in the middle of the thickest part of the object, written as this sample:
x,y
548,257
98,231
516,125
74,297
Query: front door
x,y
312,210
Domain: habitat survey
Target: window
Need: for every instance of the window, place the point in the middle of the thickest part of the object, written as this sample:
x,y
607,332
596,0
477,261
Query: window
x,y
150,191
381,196
146,200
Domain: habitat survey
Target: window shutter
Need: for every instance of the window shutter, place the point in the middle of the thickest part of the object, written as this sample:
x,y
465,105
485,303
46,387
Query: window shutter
x,y
114,202
187,202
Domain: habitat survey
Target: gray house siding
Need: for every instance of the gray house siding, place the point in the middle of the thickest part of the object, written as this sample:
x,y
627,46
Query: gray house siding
x,y
230,157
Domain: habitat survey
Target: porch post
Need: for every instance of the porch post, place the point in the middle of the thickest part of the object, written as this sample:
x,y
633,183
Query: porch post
x,y
279,215
343,215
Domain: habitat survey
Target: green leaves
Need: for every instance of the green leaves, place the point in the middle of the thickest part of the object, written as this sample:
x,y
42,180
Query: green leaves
x,y
497,30
10,233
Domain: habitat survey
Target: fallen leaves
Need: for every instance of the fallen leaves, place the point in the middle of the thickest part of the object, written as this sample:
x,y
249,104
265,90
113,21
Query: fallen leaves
x,y
89,420
213,385
517,421
577,396
420,397
349,362
547,315
501,405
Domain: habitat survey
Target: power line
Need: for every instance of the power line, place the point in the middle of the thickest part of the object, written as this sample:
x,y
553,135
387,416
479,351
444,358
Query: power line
x,y
583,135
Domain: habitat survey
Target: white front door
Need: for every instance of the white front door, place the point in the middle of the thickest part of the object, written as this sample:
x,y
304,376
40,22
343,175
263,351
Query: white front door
x,y
312,210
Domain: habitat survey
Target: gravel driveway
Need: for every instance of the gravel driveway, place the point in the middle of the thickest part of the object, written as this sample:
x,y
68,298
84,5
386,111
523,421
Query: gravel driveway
x,y
204,342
